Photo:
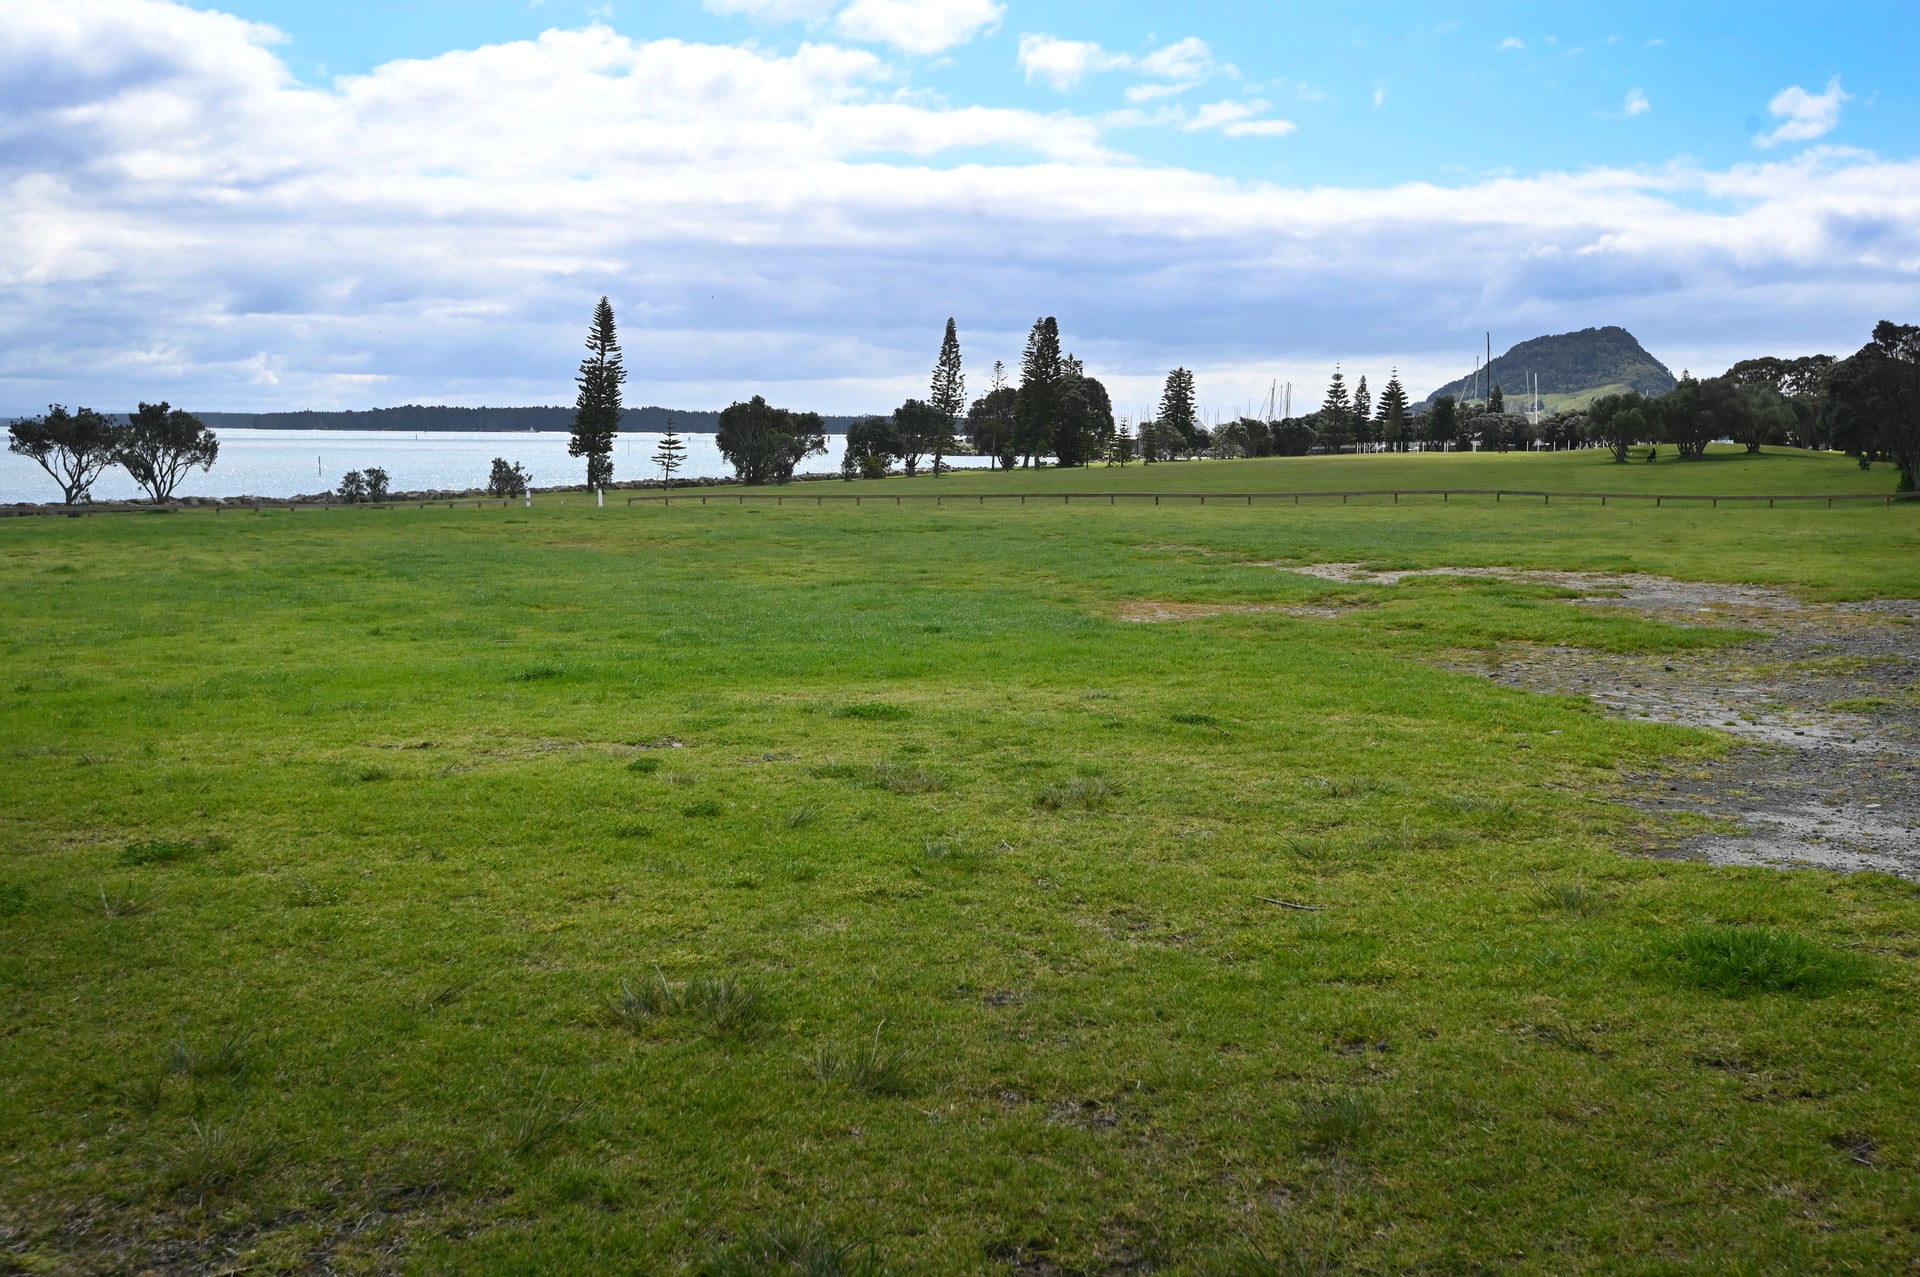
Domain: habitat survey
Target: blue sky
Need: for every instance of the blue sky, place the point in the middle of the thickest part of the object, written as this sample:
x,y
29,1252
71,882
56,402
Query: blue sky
x,y
293,204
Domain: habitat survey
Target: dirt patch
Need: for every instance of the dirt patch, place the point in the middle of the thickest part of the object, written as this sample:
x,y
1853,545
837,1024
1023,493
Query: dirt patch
x,y
1148,611
1825,703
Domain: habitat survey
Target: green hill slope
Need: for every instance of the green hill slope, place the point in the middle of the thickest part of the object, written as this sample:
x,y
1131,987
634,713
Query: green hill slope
x,y
1573,368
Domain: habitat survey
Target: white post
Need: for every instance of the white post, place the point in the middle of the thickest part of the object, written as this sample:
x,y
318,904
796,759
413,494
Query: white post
x,y
529,495
602,494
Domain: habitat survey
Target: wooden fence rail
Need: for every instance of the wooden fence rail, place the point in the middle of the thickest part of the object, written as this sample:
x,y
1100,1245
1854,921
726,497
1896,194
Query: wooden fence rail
x,y
939,499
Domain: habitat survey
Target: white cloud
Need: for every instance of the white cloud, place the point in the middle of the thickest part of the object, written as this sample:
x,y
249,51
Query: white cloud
x,y
773,10
180,218
1188,59
1636,103
1260,128
1512,44
1238,119
1064,63
919,26
1380,96
1806,115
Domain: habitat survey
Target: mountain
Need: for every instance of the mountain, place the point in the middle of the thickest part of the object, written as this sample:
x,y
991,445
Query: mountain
x,y
1574,369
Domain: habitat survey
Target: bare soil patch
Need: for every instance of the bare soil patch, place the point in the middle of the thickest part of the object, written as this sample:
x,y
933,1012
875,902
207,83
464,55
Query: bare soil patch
x,y
1826,703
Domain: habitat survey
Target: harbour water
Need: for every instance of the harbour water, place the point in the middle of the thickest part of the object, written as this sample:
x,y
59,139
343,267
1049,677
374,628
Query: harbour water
x,y
288,463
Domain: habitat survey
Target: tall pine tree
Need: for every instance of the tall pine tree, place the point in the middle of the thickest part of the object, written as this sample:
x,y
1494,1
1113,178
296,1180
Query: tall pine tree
x,y
1336,413
1364,430
672,454
948,396
596,412
1042,370
1178,419
1393,413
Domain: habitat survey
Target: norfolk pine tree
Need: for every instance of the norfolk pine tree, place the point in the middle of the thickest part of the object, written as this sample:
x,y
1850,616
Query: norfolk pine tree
x,y
948,395
596,413
1393,413
1037,413
1174,428
671,455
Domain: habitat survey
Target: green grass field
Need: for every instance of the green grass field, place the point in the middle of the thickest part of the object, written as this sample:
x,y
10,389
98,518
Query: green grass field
x,y
711,889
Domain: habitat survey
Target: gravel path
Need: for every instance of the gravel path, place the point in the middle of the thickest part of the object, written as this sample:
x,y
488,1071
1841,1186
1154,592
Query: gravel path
x,y
1827,703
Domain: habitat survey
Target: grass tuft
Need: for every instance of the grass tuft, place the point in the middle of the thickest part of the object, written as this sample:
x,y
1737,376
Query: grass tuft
x,y
1740,961
1340,1123
213,1158
543,1120
13,899
155,851
899,778
802,816
704,809
876,1069
228,1060
1082,793
1574,897
874,713
124,902
793,1252
722,1006
646,765
540,673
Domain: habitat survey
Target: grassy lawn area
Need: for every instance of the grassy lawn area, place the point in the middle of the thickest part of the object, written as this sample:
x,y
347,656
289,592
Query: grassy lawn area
x,y
654,889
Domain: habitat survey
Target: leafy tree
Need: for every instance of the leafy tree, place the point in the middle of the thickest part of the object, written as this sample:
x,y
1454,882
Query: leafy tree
x,y
1120,450
376,479
507,480
1392,412
161,444
1177,427
1363,425
1295,437
72,447
1149,441
1443,422
992,423
1086,418
1875,400
1497,402
1037,411
916,427
672,454
948,395
763,444
1618,422
596,412
353,487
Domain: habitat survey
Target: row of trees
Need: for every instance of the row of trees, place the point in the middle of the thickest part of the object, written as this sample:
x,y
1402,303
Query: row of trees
x,y
158,444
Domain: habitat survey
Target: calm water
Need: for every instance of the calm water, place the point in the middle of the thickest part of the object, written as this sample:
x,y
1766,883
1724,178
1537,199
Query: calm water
x,y
287,463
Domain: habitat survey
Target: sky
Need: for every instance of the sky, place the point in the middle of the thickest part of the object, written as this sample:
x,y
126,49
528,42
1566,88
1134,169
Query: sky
x,y
284,204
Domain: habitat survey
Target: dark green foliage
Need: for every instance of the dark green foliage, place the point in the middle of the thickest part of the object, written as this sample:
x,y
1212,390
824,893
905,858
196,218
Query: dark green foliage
x,y
918,428
1178,424
1336,415
705,809
507,480
763,444
872,445
1592,359
1037,408
947,395
376,483
596,411
1874,398
13,899
1738,961
353,487
1617,422
793,1252
161,444
646,764
72,447
1085,430
1497,402
1393,413
992,425
1442,422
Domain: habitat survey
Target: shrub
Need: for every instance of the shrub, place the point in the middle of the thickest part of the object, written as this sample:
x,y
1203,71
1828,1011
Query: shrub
x,y
507,480
376,483
353,487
